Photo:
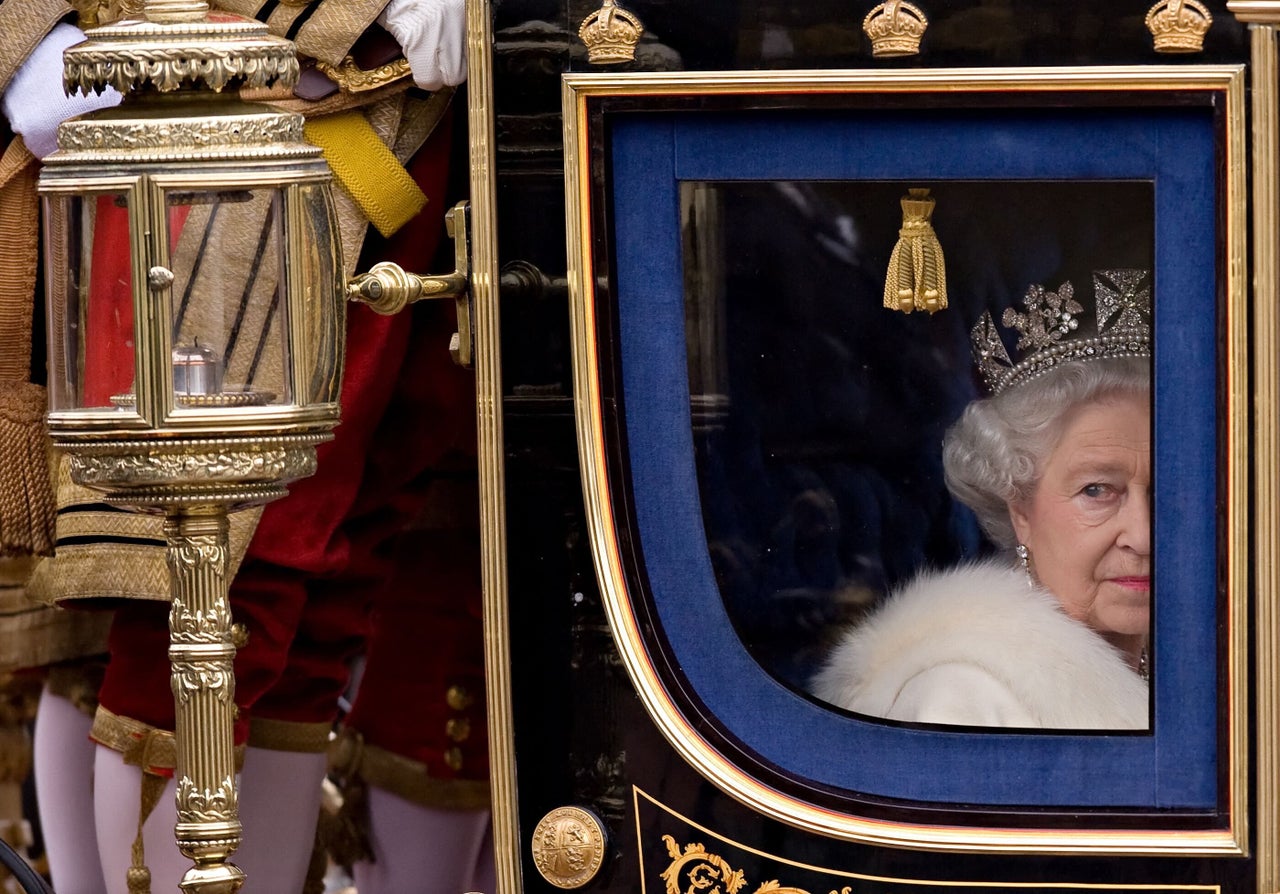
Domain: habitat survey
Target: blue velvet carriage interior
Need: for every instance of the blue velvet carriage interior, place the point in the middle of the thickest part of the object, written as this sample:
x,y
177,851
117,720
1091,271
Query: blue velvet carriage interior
x,y
1175,766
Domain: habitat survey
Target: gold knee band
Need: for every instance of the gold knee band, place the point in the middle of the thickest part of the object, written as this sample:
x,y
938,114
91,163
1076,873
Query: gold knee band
x,y
156,752
289,735
142,745
351,756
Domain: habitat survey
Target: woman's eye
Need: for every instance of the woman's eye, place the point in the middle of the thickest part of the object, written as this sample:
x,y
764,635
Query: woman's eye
x,y
1095,491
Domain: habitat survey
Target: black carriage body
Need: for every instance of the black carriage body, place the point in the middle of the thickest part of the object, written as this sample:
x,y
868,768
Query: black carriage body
x,y
583,733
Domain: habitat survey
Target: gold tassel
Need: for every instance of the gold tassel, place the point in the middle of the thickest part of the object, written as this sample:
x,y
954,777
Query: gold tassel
x,y
138,876
346,829
917,277
26,491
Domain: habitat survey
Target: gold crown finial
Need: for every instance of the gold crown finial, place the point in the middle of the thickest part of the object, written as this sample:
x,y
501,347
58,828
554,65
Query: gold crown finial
x,y
895,28
1179,26
611,34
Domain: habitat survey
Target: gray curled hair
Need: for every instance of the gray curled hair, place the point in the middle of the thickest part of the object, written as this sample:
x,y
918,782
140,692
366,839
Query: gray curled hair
x,y
993,454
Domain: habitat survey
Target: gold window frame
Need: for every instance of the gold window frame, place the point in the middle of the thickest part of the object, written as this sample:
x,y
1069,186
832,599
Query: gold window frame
x,y
1240,520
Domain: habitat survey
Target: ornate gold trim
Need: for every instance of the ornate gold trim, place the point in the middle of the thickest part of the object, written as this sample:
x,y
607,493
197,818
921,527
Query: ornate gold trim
x,y
712,869
491,456
152,474
136,53
708,870
146,467
254,128
197,805
683,736
351,78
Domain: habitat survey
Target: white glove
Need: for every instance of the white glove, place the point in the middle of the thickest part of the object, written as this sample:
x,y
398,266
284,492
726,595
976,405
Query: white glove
x,y
34,101
433,36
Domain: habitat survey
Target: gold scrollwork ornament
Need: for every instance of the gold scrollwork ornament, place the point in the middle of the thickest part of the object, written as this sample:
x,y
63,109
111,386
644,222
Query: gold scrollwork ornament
x,y
351,78
695,870
203,627
204,806
704,872
568,847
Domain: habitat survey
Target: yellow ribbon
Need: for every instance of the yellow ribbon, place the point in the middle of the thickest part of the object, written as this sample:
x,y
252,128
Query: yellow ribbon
x,y
367,169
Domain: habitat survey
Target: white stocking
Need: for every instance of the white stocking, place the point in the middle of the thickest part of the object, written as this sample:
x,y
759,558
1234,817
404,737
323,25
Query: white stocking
x,y
63,757
485,879
279,806
423,850
117,798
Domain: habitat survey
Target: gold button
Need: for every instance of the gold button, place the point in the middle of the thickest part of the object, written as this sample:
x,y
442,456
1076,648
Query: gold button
x,y
458,729
453,759
459,698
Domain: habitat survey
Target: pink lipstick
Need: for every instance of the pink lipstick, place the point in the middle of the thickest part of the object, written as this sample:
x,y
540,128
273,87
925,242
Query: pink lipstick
x,y
1133,583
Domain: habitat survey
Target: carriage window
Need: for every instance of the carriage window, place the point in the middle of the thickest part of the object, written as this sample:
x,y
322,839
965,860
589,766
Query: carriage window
x,y
860,567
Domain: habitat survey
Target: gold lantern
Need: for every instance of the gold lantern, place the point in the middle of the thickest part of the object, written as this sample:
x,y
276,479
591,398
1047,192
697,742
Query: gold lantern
x,y
196,320
196,316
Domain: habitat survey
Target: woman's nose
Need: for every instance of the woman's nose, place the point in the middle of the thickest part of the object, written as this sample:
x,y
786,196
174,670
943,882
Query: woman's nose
x,y
1135,522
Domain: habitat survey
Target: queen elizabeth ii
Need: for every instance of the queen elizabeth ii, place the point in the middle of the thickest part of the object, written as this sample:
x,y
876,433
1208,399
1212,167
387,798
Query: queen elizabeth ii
x,y
1056,465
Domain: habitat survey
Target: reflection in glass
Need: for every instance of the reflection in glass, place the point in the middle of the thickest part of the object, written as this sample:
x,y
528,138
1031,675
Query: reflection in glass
x,y
227,312
819,418
88,267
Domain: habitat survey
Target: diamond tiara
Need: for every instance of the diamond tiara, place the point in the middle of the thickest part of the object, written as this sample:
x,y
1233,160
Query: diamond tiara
x,y
1047,331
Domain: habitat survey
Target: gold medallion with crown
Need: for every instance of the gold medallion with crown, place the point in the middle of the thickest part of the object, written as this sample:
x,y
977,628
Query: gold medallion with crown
x,y
895,29
1049,330
1179,26
611,34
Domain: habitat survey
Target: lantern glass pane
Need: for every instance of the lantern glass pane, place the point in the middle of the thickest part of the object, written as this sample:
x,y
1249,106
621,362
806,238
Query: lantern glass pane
x,y
230,320
320,288
89,276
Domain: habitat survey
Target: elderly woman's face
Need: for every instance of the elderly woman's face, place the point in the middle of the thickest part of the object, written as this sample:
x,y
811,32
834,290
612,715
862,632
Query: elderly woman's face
x,y
1088,523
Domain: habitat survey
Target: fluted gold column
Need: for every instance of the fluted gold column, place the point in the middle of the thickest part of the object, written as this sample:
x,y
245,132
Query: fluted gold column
x,y
201,651
1263,17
